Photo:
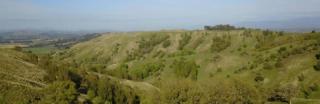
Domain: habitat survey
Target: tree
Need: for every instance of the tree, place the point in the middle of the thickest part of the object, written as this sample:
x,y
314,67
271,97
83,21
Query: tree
x,y
111,91
313,31
60,92
226,27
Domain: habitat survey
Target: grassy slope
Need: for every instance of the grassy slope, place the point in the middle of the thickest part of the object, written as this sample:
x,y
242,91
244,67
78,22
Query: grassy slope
x,y
18,78
112,49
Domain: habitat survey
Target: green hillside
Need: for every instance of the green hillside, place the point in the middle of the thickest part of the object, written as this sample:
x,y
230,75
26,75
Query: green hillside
x,y
269,66
19,78
168,67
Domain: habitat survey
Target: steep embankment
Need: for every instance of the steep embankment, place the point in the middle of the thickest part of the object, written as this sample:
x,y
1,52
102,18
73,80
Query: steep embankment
x,y
265,59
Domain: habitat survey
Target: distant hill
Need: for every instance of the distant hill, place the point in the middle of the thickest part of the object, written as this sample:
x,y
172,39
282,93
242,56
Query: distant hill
x,y
294,25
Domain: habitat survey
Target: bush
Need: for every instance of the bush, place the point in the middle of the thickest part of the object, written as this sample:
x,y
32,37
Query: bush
x,y
166,43
180,92
317,66
282,49
185,38
146,45
183,68
283,93
197,42
115,93
147,70
301,77
231,92
219,44
318,56
267,32
259,78
17,48
122,71
314,87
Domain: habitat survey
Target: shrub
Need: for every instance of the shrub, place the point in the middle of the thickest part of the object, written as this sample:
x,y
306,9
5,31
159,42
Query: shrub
x,y
180,92
282,49
231,92
197,42
259,78
281,33
314,87
166,43
17,48
219,69
146,45
219,44
60,92
185,69
283,93
185,38
318,56
267,66
266,32
317,66
147,70
113,92
122,71
301,77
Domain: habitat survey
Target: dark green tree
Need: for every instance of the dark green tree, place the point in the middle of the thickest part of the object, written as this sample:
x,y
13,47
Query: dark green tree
x,y
60,92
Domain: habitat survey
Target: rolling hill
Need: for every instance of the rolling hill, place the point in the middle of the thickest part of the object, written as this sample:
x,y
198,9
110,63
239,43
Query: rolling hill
x,y
169,67
275,66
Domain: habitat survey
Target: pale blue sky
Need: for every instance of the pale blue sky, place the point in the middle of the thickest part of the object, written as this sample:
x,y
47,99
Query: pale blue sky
x,y
146,14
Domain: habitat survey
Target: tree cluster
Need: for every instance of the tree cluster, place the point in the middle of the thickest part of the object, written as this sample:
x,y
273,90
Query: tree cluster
x,y
225,27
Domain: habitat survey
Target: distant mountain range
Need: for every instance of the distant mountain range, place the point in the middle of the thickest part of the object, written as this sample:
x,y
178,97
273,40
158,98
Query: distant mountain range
x,y
293,25
31,34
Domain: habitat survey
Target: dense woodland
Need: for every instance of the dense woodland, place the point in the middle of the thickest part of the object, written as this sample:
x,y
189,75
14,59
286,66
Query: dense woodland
x,y
219,65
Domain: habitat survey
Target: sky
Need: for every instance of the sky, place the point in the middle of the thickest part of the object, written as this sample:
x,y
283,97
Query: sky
x,y
134,15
